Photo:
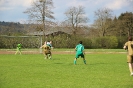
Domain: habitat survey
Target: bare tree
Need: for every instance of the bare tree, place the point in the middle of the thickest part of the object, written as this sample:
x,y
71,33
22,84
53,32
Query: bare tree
x,y
103,20
126,21
40,13
75,17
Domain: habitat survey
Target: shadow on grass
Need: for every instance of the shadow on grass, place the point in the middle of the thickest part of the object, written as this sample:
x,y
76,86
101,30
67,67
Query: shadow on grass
x,y
97,63
58,63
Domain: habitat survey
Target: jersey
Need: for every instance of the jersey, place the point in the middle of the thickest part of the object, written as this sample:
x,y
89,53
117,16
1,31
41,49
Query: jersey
x,y
46,48
79,48
130,49
49,44
19,46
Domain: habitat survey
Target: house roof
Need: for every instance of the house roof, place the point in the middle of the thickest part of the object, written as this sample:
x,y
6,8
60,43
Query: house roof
x,y
59,30
50,31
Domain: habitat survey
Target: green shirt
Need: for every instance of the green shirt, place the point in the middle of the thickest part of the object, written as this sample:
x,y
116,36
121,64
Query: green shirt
x,y
79,48
19,46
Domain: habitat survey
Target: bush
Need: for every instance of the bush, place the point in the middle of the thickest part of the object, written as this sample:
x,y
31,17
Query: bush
x,y
105,42
68,41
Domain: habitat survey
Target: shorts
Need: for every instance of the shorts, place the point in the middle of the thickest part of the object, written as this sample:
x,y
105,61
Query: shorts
x,y
129,59
47,52
79,54
18,49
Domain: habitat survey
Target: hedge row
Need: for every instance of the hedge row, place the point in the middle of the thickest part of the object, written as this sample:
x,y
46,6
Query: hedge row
x,y
64,41
11,42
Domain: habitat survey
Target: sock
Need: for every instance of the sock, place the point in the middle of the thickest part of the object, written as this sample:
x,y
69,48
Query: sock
x,y
74,61
49,56
84,61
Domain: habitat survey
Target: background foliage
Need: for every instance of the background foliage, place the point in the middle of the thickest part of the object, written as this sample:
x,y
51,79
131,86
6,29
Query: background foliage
x,y
108,33
62,41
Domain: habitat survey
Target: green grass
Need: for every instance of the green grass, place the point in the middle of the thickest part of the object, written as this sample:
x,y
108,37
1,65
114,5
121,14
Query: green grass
x,y
33,71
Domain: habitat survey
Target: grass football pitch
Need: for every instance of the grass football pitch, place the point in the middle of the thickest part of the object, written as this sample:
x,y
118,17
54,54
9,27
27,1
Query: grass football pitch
x,y
103,70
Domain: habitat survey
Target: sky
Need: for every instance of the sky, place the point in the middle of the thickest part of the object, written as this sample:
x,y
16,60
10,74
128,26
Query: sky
x,y
12,10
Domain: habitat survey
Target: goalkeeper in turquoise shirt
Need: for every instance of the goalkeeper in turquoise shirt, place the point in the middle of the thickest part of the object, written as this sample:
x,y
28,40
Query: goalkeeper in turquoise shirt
x,y
79,52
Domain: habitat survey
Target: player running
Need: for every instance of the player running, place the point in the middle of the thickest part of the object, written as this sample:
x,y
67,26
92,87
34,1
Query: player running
x,y
79,52
129,47
46,50
19,48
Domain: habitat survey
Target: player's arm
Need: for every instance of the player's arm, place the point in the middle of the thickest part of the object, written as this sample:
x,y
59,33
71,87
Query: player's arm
x,y
83,51
41,47
125,46
76,48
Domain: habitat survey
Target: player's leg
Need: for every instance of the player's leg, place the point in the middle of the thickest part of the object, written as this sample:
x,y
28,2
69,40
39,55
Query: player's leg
x,y
132,65
50,55
83,56
75,59
16,51
84,60
129,60
130,68
45,55
20,51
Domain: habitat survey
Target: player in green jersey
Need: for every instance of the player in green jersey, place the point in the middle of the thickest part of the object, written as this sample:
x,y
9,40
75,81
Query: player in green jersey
x,y
79,52
19,48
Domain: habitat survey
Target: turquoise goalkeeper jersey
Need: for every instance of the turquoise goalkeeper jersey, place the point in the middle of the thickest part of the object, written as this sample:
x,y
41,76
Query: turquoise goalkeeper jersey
x,y
79,48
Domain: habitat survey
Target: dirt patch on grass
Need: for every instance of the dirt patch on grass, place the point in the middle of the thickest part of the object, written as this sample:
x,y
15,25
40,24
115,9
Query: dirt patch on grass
x,y
34,52
55,52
